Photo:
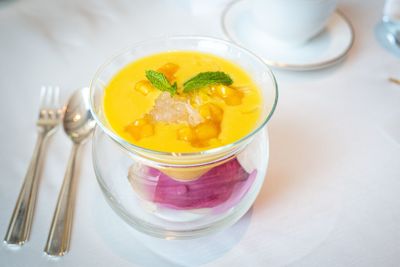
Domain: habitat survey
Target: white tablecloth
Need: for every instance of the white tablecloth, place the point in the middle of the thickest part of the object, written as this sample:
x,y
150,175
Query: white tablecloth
x,y
331,197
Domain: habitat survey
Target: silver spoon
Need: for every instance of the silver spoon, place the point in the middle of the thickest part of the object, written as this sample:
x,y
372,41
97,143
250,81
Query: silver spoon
x,y
78,125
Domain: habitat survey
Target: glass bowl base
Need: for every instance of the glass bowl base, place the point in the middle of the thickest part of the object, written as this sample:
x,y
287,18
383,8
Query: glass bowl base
x,y
112,165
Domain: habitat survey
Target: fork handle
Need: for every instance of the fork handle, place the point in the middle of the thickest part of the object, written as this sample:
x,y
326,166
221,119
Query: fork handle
x,y
21,220
61,225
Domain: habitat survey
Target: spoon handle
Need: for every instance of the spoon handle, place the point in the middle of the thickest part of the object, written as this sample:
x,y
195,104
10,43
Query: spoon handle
x,y
21,219
60,230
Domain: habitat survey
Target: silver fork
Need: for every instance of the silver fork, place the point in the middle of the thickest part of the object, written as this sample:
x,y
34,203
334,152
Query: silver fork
x,y
50,115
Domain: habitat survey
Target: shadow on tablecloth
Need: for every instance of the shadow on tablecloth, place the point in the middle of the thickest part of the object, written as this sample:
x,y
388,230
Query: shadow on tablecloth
x,y
138,248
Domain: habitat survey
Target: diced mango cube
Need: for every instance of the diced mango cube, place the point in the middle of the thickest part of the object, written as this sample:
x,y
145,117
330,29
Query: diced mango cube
x,y
186,134
199,97
216,112
142,127
139,122
134,131
144,87
147,130
148,118
169,69
233,100
230,96
206,130
224,91
205,112
211,112
212,90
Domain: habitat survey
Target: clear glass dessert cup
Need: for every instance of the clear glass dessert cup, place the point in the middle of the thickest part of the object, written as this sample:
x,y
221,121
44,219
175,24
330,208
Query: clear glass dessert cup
x,y
182,195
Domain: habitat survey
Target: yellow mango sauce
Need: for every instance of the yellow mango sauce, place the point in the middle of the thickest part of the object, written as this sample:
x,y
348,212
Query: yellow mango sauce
x,y
123,104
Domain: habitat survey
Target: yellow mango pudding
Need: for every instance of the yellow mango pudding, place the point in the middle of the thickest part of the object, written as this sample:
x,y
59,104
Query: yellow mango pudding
x,y
181,148
182,102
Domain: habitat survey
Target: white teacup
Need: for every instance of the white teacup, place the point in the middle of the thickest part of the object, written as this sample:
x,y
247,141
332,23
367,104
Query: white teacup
x,y
292,22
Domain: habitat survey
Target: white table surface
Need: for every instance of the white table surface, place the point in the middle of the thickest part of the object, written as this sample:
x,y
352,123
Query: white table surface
x,y
332,193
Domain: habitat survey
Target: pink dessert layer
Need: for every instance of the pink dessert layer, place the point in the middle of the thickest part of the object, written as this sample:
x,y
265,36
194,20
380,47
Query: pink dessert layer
x,y
221,188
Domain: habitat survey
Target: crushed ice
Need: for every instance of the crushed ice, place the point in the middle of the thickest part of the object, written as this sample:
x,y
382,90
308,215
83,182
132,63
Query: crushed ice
x,y
174,109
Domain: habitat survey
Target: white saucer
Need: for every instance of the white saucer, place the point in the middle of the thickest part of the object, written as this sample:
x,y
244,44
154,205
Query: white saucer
x,y
325,49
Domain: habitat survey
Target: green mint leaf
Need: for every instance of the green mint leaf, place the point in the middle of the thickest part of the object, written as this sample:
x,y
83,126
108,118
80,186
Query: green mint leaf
x,y
205,79
159,81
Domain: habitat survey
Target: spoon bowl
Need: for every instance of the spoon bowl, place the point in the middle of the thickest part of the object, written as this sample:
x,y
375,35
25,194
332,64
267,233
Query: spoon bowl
x,y
78,122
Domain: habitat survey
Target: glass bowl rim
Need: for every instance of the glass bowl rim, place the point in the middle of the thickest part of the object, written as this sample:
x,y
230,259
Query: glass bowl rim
x,y
216,150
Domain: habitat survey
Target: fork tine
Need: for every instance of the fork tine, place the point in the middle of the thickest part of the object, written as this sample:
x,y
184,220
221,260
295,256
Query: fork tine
x,y
53,112
49,96
42,96
56,98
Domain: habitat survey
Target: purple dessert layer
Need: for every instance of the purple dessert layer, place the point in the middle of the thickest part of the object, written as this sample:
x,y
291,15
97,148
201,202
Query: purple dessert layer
x,y
217,186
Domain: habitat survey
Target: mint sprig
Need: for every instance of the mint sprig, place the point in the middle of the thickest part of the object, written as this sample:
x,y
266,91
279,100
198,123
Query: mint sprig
x,y
204,79
159,81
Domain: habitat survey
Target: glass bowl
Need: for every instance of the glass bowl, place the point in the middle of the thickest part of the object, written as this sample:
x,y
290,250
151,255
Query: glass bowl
x,y
182,195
